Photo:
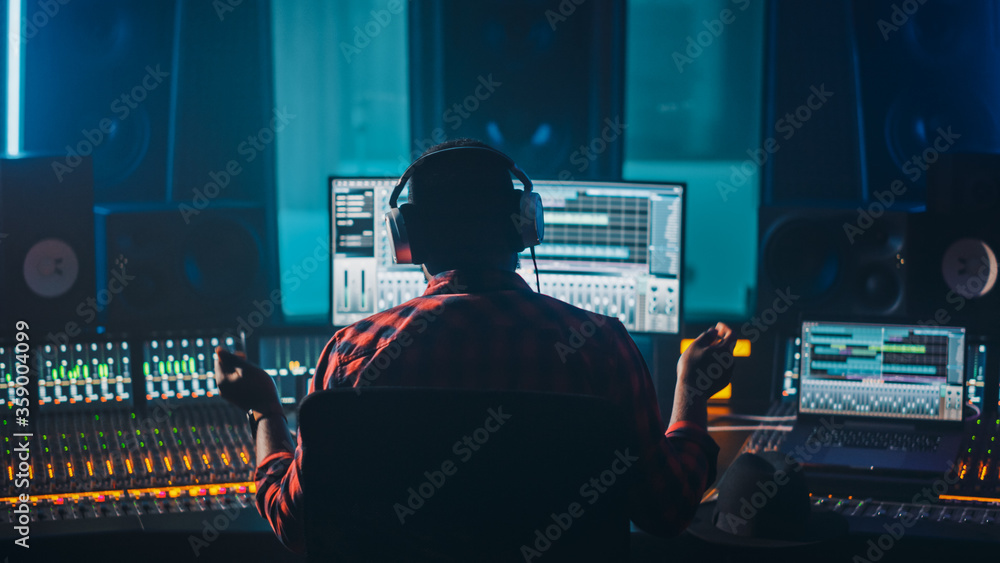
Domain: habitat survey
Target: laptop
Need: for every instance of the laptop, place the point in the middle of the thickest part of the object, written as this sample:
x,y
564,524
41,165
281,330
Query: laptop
x,y
879,397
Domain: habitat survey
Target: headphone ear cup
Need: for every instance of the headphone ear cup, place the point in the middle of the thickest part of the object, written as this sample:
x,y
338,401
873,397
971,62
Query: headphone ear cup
x,y
516,220
530,219
399,240
415,233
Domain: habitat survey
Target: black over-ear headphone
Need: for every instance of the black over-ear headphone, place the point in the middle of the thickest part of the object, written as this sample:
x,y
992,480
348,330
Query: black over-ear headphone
x,y
403,223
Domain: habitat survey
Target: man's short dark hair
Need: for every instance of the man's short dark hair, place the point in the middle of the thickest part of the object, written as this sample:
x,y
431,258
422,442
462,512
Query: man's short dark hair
x,y
464,200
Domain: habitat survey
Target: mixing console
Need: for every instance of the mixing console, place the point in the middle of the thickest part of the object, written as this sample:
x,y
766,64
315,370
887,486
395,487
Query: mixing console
x,y
7,375
86,455
975,377
290,359
91,372
181,368
171,453
101,452
964,506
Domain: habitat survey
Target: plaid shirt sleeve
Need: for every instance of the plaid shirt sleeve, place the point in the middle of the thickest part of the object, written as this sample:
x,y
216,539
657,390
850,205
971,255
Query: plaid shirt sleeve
x,y
279,497
675,466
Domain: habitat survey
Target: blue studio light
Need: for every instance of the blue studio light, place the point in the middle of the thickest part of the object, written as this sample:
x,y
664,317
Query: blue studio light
x,y
14,77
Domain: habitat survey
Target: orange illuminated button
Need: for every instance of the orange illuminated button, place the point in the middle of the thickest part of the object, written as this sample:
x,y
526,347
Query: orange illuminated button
x,y
741,350
725,393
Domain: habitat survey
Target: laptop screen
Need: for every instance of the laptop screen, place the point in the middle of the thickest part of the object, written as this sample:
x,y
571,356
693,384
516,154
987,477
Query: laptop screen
x,y
885,371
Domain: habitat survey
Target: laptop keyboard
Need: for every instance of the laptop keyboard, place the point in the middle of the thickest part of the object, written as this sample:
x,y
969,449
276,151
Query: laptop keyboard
x,y
869,439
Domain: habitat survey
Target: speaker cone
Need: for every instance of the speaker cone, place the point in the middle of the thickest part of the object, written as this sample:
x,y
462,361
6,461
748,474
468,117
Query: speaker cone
x,y
805,258
51,268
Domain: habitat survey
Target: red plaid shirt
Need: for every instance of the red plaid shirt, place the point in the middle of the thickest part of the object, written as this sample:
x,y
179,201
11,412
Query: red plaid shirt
x,y
493,325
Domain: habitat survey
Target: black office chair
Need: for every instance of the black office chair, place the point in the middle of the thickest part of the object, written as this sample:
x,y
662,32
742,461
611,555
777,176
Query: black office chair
x,y
388,475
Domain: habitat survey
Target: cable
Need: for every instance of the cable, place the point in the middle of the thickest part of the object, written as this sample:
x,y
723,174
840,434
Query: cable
x,y
748,428
759,418
538,283
710,495
978,410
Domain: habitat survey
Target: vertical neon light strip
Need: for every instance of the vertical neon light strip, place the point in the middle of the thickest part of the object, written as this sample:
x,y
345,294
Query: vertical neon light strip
x,y
14,76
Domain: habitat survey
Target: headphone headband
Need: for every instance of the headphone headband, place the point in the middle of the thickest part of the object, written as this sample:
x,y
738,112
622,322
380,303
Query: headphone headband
x,y
525,212
410,170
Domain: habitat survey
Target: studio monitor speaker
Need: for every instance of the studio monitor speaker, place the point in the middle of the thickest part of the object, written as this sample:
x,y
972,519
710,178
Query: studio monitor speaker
x,y
164,269
954,262
540,80
910,81
98,80
960,182
832,262
46,244
165,95
225,116
928,85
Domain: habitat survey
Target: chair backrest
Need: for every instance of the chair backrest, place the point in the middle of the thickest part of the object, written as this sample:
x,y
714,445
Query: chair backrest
x,y
418,474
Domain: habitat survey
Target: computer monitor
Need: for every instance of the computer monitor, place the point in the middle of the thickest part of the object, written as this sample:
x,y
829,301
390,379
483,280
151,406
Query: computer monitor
x,y
615,248
888,371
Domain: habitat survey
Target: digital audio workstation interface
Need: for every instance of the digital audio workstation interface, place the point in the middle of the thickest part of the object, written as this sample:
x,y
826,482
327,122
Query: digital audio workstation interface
x,y
611,248
912,372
